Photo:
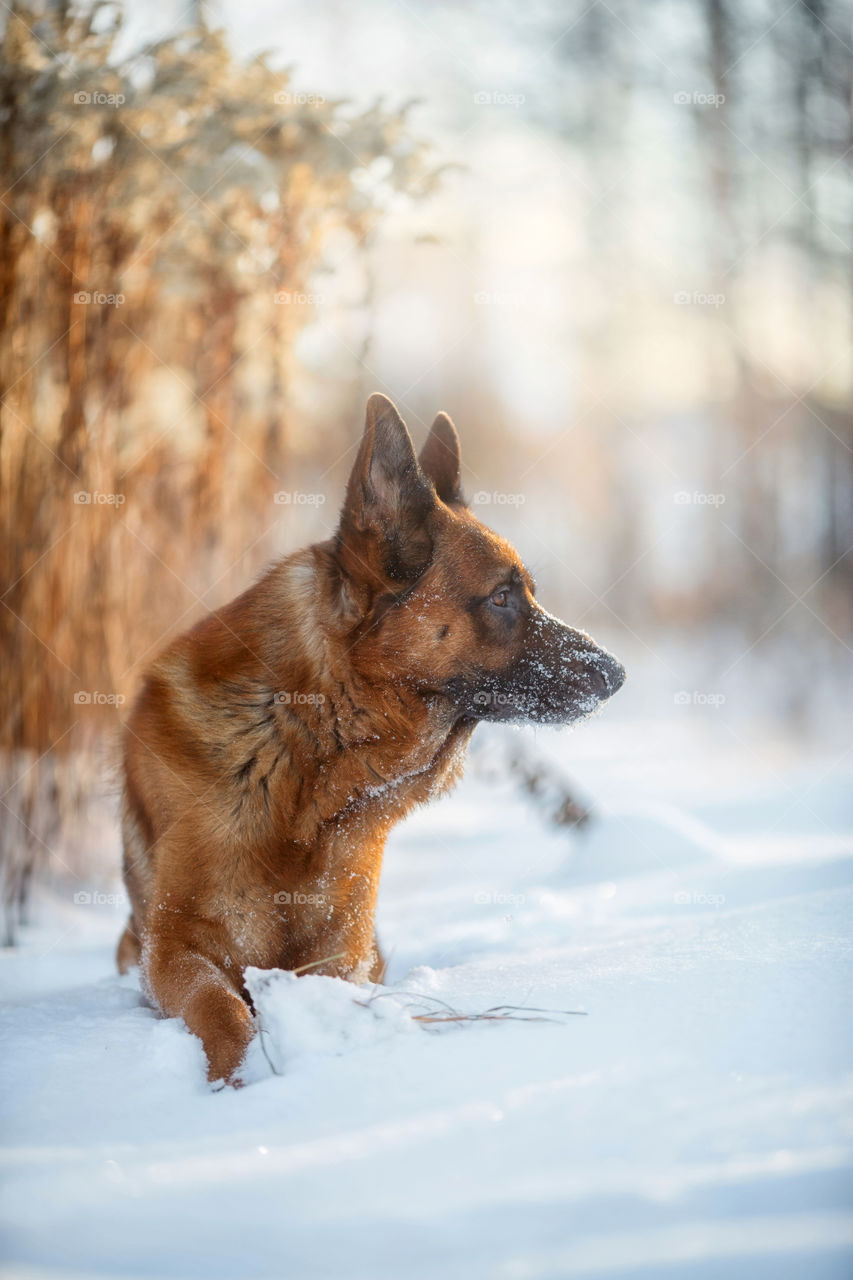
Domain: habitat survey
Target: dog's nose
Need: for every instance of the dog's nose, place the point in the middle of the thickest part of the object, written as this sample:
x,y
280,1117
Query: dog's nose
x,y
610,671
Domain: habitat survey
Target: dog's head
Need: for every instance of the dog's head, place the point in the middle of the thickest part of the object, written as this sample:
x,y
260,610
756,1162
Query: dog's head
x,y
439,602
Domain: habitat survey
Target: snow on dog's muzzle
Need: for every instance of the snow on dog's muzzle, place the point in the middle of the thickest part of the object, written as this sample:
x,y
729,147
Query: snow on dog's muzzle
x,y
559,676
562,674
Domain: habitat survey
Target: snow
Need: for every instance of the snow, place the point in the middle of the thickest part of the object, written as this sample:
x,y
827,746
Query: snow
x,y
696,1122
303,1017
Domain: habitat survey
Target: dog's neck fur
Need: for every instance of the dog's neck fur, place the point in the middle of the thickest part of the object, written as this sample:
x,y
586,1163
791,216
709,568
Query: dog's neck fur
x,y
333,731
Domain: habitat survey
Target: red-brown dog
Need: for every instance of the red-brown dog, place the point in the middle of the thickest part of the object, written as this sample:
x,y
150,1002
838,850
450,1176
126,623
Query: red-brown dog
x,y
275,744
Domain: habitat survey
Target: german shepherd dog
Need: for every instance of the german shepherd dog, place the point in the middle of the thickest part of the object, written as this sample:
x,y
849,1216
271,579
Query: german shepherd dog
x,y
274,745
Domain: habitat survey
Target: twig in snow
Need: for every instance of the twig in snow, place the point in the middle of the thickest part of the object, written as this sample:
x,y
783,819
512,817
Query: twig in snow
x,y
497,1013
316,963
542,782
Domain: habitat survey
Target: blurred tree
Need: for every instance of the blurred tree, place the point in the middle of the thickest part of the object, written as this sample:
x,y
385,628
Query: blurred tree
x,y
750,198
160,222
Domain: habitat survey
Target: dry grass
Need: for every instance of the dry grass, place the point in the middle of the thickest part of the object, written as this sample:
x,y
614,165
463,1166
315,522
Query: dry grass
x,y
145,360
441,1012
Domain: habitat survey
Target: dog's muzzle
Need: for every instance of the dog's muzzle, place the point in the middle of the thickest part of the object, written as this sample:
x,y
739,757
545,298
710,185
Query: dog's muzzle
x,y
561,676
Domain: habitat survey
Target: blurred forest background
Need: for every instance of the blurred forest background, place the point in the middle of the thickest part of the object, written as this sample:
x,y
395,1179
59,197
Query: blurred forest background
x,y
612,239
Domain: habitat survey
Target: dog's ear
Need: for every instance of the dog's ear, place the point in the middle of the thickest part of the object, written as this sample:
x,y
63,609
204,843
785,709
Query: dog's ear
x,y
388,501
441,461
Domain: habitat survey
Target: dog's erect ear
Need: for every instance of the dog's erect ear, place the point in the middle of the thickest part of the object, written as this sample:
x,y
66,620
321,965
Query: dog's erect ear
x,y
388,500
440,459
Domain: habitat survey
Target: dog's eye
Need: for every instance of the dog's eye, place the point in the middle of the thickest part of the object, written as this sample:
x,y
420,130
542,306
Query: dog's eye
x,y
500,597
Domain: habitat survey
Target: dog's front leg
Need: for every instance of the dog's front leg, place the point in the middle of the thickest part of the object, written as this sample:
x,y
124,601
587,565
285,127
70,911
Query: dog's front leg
x,y
186,984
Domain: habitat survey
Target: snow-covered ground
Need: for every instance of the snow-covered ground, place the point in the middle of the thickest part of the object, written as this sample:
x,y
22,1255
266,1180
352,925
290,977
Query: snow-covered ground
x,y
696,1122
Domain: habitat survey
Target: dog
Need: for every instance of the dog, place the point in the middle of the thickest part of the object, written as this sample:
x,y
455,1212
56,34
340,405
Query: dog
x,y
274,746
